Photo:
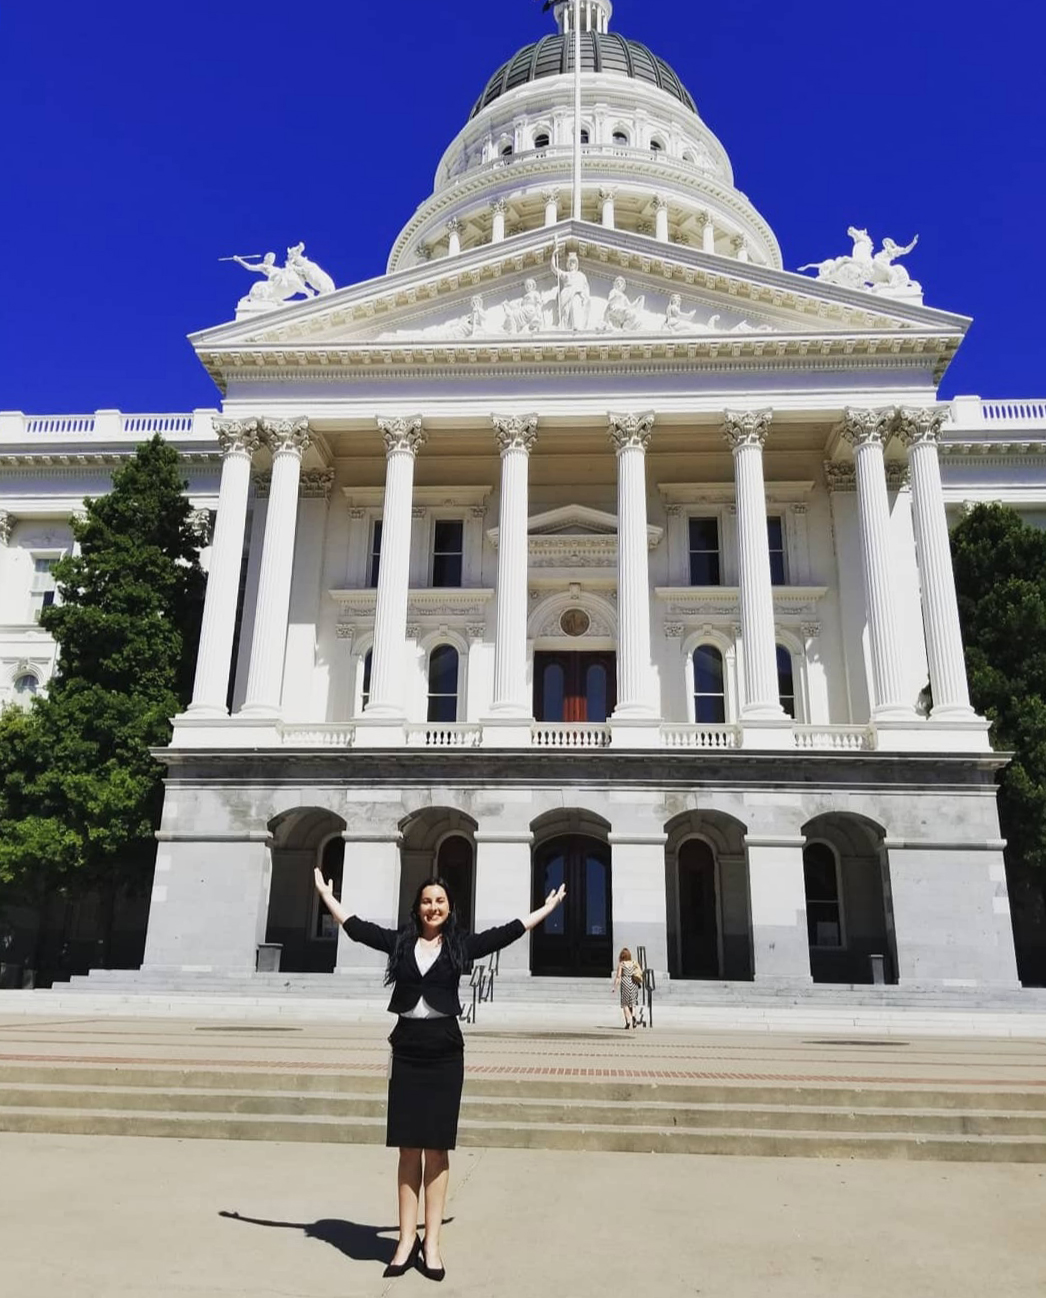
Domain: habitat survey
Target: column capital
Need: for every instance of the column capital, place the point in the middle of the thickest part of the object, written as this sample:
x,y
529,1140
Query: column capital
x,y
315,484
660,202
607,191
840,475
454,225
629,431
550,196
702,218
897,475
919,425
738,241
515,432
498,205
237,436
285,435
867,427
7,522
746,427
402,434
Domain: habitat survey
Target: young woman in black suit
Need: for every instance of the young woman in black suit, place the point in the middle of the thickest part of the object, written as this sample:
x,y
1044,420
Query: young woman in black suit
x,y
426,958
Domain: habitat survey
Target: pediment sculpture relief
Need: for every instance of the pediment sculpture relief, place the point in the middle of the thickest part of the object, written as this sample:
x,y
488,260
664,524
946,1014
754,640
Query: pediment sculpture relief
x,y
572,305
864,268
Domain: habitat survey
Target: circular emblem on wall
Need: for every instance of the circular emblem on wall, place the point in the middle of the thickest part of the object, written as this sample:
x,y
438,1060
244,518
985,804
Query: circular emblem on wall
x,y
575,621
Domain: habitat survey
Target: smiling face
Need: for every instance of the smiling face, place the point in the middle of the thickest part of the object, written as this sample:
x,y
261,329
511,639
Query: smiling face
x,y
433,909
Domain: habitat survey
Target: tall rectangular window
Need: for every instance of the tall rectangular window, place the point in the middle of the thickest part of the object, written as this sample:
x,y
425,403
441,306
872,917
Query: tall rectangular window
x,y
42,593
775,537
704,552
375,554
447,552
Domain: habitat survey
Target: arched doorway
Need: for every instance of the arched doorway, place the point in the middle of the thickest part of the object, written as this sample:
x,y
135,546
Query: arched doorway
x,y
301,840
439,841
455,862
849,914
577,939
709,920
699,955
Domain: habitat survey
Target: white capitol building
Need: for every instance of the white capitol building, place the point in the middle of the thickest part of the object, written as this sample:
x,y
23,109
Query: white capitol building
x,y
601,550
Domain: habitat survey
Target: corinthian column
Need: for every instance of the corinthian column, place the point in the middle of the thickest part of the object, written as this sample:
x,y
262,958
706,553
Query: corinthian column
x,y
516,435
920,430
287,439
238,439
403,440
630,435
867,431
746,431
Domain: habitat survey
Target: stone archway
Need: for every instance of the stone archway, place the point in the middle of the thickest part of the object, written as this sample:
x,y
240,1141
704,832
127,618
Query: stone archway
x,y
439,840
572,847
848,906
302,839
707,897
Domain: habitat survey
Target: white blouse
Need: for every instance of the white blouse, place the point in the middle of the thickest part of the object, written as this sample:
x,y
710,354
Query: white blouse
x,y
425,957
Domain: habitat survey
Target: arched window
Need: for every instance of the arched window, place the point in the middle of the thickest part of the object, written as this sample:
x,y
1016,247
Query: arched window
x,y
27,683
584,135
656,146
620,138
443,683
824,919
688,156
541,140
709,694
506,151
786,680
366,679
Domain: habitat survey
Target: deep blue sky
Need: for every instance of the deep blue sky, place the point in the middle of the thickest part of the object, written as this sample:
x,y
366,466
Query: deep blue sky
x,y
142,141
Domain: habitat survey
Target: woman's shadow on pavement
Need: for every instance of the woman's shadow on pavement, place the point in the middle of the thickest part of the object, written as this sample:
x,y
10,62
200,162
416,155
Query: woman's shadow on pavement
x,y
352,1238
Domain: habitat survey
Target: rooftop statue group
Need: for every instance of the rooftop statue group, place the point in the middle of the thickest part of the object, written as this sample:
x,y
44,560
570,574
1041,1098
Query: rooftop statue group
x,y
298,275
866,269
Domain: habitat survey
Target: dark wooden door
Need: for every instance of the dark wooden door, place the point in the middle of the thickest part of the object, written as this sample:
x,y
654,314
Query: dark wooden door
x,y
699,928
577,939
574,686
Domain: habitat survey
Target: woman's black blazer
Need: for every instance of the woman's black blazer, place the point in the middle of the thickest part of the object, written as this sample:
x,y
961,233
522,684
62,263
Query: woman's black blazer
x,y
440,985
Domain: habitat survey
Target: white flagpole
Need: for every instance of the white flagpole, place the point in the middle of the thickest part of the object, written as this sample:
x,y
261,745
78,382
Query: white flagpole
x,y
577,111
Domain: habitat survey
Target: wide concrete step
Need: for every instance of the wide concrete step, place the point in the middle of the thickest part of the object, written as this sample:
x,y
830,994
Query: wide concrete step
x,y
560,1135
660,1114
35,1078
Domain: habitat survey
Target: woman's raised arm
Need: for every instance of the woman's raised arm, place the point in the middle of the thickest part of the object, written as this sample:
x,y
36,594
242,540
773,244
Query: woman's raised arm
x,y
326,890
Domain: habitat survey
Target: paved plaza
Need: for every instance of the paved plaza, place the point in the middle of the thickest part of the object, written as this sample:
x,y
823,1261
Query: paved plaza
x,y
124,1217
111,1217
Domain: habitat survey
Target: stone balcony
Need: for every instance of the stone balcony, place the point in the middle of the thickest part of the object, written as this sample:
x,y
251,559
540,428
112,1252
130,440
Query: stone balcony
x,y
922,736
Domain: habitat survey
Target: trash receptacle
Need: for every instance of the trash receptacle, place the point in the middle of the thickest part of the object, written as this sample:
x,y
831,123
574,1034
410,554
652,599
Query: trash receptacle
x,y
878,963
269,957
10,975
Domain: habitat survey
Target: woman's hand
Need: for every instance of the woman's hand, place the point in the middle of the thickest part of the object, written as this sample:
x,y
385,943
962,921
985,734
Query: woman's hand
x,y
325,887
555,898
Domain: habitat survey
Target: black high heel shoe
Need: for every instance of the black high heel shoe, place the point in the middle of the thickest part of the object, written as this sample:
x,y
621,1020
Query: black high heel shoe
x,y
436,1273
401,1268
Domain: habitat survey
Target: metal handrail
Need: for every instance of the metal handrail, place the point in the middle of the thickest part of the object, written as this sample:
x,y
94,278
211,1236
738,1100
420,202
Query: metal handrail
x,y
649,987
481,983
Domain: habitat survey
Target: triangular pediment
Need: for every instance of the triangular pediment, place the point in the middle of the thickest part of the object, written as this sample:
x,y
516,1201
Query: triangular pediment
x,y
626,295
574,535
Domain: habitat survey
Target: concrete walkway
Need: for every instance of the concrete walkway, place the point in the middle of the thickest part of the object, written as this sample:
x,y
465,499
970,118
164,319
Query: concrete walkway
x,y
535,1049
104,1217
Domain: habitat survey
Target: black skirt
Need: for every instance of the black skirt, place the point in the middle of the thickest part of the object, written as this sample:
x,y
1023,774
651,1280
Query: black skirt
x,y
428,1069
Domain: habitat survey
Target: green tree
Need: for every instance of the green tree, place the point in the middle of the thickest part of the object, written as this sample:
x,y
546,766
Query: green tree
x,y
1000,577
81,792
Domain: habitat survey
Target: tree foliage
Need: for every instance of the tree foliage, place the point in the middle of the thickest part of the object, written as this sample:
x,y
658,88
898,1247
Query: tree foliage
x,y
1000,577
81,794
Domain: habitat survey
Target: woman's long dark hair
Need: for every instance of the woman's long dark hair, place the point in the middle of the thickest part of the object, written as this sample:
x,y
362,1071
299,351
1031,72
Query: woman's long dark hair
x,y
452,933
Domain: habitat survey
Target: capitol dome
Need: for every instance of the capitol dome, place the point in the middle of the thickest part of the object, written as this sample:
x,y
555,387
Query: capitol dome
x,y
650,164
600,52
